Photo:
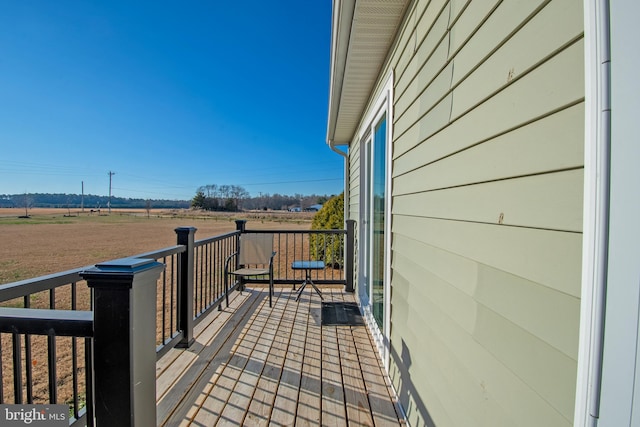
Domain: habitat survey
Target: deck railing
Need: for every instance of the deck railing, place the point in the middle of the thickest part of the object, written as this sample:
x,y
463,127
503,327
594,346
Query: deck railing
x,y
59,331
33,339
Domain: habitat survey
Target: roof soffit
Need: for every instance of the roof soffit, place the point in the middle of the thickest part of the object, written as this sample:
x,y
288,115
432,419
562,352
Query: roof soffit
x,y
362,34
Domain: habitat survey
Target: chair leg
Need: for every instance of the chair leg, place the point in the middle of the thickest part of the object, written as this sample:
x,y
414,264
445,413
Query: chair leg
x,y
226,287
227,295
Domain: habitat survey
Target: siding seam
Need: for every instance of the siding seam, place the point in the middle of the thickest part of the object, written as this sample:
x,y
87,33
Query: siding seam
x,y
417,45
489,181
496,357
410,14
480,102
488,308
527,71
466,221
480,63
504,132
426,86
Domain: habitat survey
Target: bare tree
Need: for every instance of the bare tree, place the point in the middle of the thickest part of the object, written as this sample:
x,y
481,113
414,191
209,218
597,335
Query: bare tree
x,y
224,191
209,190
27,202
238,193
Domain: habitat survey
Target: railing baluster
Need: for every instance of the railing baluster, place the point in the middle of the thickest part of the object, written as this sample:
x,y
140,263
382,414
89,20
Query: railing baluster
x,y
88,376
205,280
199,251
74,356
220,262
293,273
17,369
74,363
53,385
202,291
196,284
349,255
325,247
212,273
287,258
205,250
174,326
206,275
199,279
222,246
51,355
1,374
215,270
28,367
163,335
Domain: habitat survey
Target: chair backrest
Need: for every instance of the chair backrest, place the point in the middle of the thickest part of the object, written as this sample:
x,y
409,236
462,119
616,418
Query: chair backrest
x,y
255,248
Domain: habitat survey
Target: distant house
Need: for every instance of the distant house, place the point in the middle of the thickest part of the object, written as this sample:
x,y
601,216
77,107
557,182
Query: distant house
x,y
491,152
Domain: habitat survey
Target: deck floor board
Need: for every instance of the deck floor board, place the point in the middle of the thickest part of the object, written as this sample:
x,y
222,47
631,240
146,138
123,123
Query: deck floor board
x,y
257,365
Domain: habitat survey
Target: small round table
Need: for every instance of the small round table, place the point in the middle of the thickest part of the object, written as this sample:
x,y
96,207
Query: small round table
x,y
307,266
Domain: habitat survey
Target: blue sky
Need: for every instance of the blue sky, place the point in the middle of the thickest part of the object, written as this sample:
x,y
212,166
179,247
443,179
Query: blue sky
x,y
168,95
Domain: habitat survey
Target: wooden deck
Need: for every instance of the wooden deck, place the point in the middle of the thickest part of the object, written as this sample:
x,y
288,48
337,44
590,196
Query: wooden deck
x,y
255,365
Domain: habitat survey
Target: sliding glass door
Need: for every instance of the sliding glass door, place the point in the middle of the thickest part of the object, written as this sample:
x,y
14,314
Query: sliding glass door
x,y
372,222
377,220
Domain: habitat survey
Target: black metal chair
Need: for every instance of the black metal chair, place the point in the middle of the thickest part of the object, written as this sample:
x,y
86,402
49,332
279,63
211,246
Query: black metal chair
x,y
255,258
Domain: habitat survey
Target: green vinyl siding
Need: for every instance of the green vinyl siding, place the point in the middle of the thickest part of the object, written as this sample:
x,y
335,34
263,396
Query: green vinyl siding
x,y
353,180
552,144
548,257
553,29
463,365
544,201
409,86
486,227
553,86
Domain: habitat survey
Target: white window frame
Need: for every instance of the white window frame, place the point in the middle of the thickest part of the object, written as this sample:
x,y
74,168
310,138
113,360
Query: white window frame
x,y
383,105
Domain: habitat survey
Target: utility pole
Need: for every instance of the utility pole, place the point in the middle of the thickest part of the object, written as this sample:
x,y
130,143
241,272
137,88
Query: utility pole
x,y
109,203
82,198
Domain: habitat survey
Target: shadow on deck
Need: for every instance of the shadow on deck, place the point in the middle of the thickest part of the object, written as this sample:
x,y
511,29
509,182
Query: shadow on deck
x,y
255,365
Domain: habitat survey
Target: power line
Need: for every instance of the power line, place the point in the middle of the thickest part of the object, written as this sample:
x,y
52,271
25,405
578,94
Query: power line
x,y
43,168
294,182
